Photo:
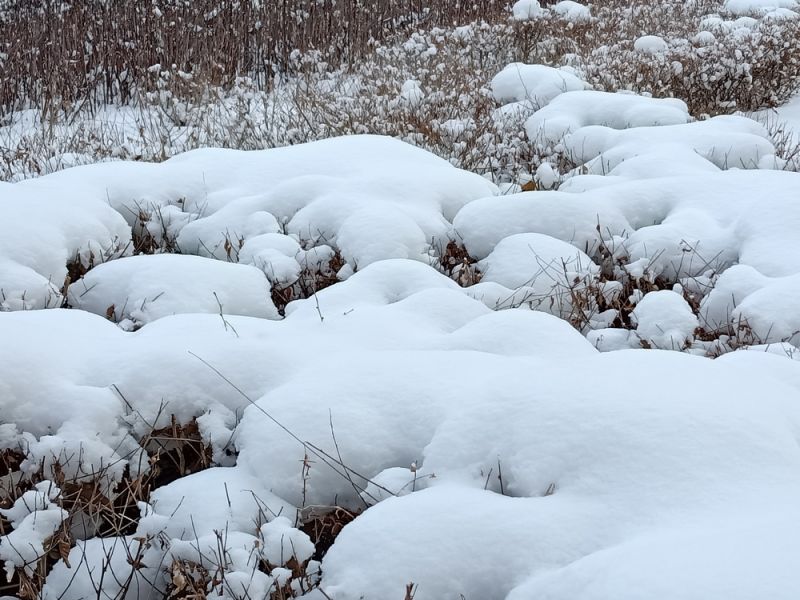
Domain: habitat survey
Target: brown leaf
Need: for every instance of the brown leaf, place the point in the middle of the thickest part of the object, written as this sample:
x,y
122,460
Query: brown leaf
x,y
63,551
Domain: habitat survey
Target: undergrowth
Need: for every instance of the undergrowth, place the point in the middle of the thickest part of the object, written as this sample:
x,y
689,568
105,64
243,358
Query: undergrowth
x,y
149,100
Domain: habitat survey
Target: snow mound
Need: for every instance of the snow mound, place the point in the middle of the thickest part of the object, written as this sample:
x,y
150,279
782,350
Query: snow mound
x,y
571,111
599,131
757,7
456,426
565,478
677,227
726,141
430,396
650,44
69,228
540,271
573,12
525,10
34,517
536,85
212,202
665,320
519,260
757,307
140,289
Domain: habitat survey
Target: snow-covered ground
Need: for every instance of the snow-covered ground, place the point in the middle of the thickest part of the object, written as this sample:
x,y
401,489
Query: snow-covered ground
x,y
588,390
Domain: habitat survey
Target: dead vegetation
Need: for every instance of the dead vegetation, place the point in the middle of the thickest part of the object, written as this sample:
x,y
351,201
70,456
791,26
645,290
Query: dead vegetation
x,y
58,54
257,75
98,509
96,506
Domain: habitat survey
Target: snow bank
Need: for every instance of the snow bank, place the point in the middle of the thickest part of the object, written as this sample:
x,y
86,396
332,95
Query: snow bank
x,y
571,111
380,197
680,226
587,496
41,233
760,308
535,84
524,10
729,142
407,371
140,289
757,7
573,12
459,426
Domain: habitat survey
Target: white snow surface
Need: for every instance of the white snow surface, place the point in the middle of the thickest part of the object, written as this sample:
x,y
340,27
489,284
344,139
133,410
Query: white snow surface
x,y
665,320
574,12
571,111
211,202
536,85
757,7
147,287
525,10
650,44
606,477
533,452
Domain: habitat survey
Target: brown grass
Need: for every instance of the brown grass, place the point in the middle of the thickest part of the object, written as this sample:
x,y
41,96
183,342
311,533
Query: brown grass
x,y
58,54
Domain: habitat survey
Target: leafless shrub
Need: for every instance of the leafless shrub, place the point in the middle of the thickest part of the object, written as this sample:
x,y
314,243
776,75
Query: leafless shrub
x,y
59,54
206,88
97,505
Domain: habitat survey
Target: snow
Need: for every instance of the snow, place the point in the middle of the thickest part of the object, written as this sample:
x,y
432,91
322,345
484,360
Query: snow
x,y
283,542
757,7
787,117
534,84
411,93
230,499
619,499
211,202
726,141
571,111
544,271
744,297
108,557
525,10
34,517
704,38
573,12
650,44
69,227
555,427
140,289
665,320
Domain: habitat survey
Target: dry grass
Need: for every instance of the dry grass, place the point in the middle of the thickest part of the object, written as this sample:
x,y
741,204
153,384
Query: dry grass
x,y
333,76
59,54
97,506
